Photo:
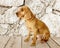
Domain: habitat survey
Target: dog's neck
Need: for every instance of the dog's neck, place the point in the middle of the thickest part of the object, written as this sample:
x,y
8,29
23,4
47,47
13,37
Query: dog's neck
x,y
30,18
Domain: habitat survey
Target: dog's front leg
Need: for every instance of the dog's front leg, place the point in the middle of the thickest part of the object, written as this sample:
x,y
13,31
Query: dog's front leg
x,y
28,37
34,39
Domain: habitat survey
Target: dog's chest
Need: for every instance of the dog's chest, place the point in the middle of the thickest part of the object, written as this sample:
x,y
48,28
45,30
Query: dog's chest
x,y
30,25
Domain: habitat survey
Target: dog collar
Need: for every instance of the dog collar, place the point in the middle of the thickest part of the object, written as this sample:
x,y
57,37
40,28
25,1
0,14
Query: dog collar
x,y
31,18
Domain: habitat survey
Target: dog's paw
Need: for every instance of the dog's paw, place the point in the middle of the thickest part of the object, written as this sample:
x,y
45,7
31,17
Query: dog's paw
x,y
26,40
42,41
33,44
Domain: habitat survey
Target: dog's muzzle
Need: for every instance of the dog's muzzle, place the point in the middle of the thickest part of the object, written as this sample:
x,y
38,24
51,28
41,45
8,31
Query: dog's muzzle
x,y
17,13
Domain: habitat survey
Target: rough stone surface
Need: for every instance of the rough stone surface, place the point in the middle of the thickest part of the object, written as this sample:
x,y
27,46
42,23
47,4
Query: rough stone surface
x,y
11,2
46,10
2,10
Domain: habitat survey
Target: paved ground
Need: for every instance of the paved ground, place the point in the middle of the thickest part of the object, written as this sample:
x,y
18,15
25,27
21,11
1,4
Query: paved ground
x,y
18,42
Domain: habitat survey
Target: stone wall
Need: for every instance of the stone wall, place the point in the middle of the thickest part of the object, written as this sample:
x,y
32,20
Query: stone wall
x,y
46,10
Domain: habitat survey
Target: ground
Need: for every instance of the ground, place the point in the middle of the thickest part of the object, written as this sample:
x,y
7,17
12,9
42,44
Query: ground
x,y
18,42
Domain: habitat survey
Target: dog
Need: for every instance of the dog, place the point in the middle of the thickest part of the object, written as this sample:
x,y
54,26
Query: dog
x,y
33,25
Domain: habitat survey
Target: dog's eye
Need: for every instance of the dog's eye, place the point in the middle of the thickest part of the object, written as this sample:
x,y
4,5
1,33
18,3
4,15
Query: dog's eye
x,y
23,16
21,9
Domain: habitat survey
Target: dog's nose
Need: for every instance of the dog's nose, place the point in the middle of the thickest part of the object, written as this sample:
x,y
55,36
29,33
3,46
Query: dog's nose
x,y
16,13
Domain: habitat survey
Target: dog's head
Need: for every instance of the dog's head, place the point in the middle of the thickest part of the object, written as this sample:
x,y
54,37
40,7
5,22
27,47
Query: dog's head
x,y
24,12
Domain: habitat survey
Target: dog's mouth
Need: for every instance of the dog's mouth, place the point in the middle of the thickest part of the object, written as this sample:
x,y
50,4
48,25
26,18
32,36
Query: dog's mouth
x,y
21,17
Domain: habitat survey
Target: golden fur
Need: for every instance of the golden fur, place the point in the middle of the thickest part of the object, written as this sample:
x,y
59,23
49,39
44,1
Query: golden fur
x,y
33,25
